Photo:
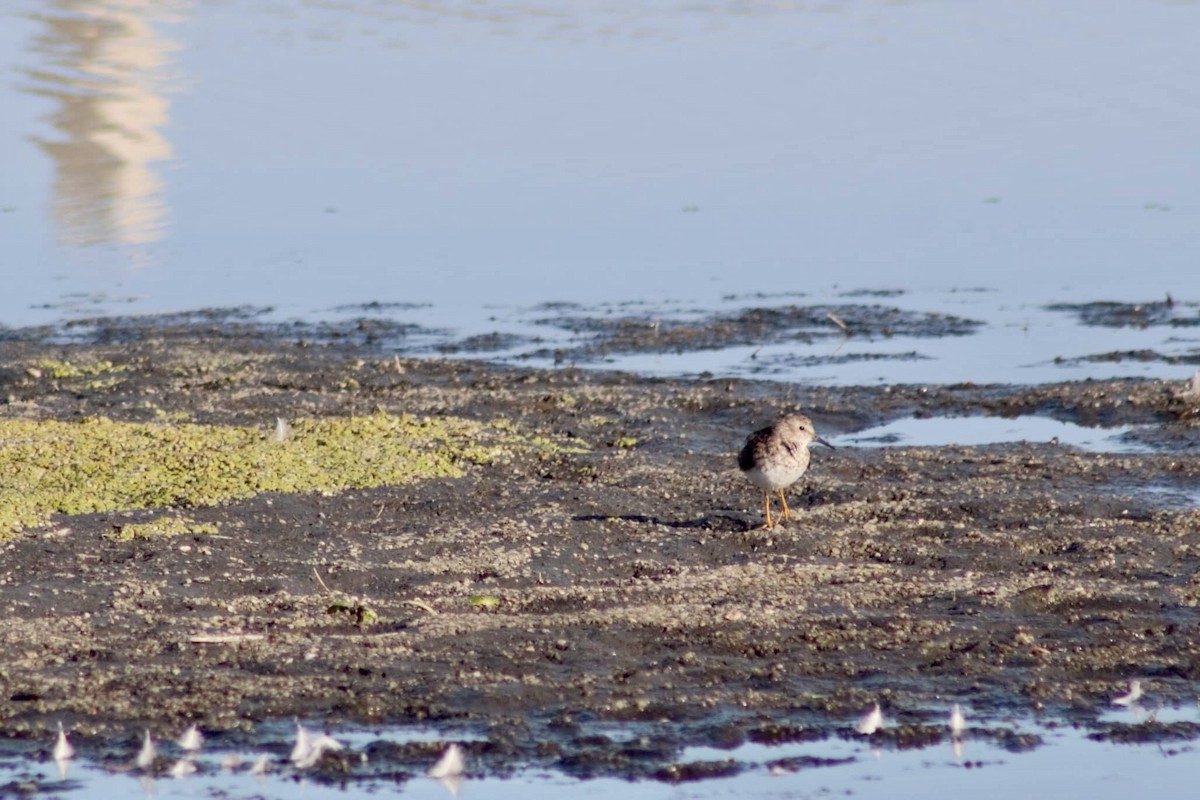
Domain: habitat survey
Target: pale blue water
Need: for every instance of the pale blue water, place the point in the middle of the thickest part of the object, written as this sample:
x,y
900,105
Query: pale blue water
x,y
1065,765
485,157
973,431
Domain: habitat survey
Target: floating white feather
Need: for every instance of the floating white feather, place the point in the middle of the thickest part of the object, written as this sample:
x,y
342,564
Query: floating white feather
x,y
191,740
145,757
1132,696
63,751
957,723
308,749
871,721
261,765
302,746
450,765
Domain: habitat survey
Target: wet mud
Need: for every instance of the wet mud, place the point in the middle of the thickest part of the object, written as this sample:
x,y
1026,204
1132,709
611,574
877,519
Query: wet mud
x,y
595,337
1117,356
594,608
1112,314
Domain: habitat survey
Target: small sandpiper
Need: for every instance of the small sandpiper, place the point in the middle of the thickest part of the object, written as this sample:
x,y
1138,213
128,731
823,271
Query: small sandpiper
x,y
775,457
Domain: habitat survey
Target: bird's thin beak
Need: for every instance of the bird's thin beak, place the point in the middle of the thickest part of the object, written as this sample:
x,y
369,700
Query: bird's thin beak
x,y
822,441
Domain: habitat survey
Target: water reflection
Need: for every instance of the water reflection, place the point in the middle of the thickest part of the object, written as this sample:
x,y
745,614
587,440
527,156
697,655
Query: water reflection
x,y
981,431
104,64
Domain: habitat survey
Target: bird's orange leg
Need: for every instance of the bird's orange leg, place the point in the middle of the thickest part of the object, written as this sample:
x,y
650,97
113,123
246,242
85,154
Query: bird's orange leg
x,y
767,508
786,511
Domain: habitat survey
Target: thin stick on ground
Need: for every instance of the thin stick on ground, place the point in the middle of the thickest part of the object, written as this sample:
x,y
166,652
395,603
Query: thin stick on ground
x,y
323,586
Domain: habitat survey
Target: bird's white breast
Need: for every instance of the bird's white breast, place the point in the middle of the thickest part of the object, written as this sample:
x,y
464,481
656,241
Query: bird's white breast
x,y
774,479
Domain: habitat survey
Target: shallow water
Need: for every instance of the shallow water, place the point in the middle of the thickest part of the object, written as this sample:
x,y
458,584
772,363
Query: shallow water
x,y
973,431
1064,763
1026,344
485,158
1173,496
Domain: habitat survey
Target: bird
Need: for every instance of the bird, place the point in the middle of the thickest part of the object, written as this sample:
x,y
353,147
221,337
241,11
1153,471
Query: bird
x,y
776,457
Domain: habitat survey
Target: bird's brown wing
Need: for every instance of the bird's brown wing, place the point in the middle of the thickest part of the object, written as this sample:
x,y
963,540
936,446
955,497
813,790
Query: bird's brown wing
x,y
754,443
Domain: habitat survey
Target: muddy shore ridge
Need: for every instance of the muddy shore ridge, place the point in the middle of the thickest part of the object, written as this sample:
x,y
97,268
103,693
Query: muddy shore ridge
x,y
225,525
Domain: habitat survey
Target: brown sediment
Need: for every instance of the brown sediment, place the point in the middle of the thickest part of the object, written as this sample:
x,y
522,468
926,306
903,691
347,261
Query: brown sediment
x,y
607,576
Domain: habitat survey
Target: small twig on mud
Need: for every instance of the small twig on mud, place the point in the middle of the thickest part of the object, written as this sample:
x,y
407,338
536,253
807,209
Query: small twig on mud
x,y
382,506
225,638
836,320
421,604
323,586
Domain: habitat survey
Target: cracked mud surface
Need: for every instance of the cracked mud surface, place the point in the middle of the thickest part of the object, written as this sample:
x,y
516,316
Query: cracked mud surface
x,y
540,602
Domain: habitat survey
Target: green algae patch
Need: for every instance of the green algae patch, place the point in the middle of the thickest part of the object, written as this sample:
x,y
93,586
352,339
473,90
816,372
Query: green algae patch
x,y
485,601
162,528
63,370
99,465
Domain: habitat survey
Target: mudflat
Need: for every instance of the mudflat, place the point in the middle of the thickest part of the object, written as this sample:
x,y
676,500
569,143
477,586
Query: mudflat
x,y
239,529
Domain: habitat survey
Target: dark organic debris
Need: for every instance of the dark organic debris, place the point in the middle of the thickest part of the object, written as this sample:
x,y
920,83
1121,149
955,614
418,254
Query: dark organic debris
x,y
1117,356
1148,731
601,336
1015,742
797,763
245,323
780,363
219,323
698,771
486,343
1135,315
873,293
376,307
776,733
